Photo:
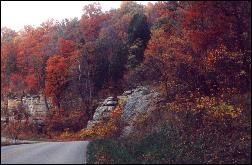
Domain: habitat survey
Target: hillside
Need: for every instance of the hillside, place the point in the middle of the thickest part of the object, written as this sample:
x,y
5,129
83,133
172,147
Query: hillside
x,y
166,82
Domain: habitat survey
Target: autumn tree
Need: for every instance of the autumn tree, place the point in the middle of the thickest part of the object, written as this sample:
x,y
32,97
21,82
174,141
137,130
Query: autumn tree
x,y
8,54
130,7
11,65
215,31
31,83
90,24
56,78
92,21
164,53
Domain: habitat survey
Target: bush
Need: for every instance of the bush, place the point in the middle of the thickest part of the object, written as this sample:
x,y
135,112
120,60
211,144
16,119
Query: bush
x,y
109,129
108,152
194,129
58,122
218,123
166,146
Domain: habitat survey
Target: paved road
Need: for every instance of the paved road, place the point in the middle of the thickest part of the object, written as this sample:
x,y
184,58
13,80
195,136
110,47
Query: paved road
x,y
45,153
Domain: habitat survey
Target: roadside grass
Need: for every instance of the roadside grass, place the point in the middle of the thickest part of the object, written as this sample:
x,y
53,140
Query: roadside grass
x,y
156,148
9,143
108,152
167,146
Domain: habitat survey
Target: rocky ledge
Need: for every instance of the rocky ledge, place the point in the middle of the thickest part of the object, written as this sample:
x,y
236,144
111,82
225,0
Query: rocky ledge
x,y
133,103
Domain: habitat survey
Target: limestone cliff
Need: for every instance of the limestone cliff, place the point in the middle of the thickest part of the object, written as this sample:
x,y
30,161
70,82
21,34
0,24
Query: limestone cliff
x,y
134,102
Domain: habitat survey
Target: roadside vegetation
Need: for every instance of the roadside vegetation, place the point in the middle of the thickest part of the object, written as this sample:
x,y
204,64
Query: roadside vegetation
x,y
197,55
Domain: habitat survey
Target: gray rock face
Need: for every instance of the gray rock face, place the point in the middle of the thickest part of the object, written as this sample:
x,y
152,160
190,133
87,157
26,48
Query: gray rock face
x,y
140,101
126,93
102,113
133,102
111,103
110,99
92,123
34,104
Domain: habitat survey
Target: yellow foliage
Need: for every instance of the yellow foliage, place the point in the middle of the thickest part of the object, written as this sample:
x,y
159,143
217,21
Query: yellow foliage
x,y
104,129
217,108
213,106
221,52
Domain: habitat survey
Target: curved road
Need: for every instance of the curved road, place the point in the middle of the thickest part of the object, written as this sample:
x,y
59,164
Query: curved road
x,y
73,152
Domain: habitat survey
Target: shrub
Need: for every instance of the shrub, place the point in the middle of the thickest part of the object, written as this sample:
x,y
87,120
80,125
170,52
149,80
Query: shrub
x,y
194,129
104,129
58,122
108,152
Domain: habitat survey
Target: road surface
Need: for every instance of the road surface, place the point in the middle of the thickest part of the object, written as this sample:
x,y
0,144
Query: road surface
x,y
73,152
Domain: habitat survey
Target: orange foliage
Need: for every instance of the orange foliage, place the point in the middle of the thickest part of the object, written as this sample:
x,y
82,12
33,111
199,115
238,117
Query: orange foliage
x,y
105,129
56,77
31,82
205,23
66,47
16,82
92,20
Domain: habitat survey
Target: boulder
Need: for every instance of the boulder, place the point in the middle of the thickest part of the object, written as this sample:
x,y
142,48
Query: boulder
x,y
111,98
134,102
126,93
140,101
110,103
103,112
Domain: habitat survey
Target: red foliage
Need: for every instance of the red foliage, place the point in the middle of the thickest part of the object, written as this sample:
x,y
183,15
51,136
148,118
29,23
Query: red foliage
x,y
66,47
56,77
16,82
31,82
206,22
92,21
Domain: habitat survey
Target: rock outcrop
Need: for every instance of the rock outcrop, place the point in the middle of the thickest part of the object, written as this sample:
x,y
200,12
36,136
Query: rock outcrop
x,y
137,102
133,103
102,113
34,104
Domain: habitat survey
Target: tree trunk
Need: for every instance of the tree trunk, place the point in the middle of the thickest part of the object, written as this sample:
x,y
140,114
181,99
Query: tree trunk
x,y
166,88
6,110
46,103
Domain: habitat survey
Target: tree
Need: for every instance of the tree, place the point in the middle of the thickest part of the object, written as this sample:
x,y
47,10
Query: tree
x,y
66,47
118,62
16,83
138,37
56,78
164,53
219,32
130,7
92,21
31,83
11,65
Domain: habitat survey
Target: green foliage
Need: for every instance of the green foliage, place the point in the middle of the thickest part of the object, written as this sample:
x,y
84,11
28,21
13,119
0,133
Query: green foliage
x,y
165,146
108,152
131,8
138,28
159,147
118,62
138,37
135,53
101,72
